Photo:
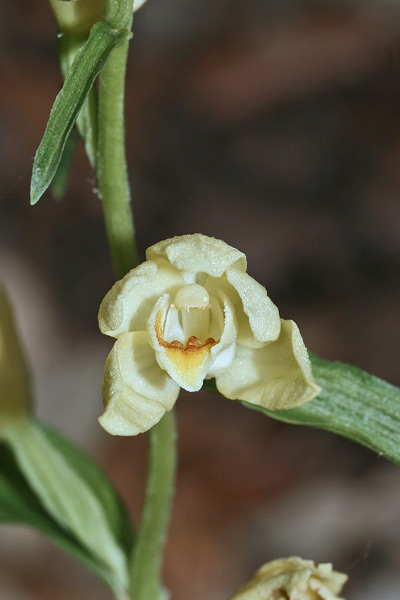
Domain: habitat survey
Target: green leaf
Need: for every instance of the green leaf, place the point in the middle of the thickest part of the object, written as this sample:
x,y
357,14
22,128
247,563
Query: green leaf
x,y
20,505
88,63
86,124
352,403
69,45
60,179
95,478
66,485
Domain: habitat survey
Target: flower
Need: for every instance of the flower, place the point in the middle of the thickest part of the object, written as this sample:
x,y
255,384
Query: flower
x,y
191,312
293,579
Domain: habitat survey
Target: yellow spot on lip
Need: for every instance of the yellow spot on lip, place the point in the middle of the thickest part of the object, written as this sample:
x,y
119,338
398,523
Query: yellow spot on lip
x,y
185,363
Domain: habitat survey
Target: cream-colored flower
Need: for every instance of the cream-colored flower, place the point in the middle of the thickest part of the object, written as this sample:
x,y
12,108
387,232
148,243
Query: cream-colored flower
x,y
293,579
188,313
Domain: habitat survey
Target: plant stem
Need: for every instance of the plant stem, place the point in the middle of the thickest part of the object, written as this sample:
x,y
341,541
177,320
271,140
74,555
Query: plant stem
x,y
147,558
113,187
112,175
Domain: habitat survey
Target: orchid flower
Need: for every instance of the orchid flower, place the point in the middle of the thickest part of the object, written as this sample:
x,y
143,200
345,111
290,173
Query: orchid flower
x,y
293,579
191,312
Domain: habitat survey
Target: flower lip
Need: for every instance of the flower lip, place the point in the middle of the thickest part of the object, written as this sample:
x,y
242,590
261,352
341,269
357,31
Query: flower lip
x,y
186,363
188,343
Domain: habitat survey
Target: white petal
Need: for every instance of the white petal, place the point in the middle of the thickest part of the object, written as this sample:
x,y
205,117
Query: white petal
x,y
136,392
198,253
258,318
223,353
128,304
277,376
173,327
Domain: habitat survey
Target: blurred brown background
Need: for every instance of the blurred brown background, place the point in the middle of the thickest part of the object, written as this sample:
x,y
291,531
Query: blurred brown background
x,y
274,125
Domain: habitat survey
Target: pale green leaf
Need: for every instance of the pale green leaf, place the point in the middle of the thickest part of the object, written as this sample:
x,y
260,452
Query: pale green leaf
x,y
69,499
20,506
352,403
95,478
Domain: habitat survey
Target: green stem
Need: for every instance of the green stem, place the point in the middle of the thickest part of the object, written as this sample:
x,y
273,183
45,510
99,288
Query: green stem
x,y
112,175
113,186
147,558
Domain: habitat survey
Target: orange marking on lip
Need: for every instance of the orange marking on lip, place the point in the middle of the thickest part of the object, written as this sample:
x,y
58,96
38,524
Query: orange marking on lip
x,y
193,344
188,360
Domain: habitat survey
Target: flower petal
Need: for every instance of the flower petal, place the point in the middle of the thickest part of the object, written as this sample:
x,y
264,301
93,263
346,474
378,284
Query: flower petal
x,y
136,392
258,318
223,352
198,253
130,301
277,376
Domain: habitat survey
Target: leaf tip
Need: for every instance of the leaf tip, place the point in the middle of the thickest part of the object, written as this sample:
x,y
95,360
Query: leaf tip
x,y
37,189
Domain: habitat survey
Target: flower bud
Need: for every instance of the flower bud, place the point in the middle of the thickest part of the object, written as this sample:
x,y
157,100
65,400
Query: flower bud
x,y
293,579
77,16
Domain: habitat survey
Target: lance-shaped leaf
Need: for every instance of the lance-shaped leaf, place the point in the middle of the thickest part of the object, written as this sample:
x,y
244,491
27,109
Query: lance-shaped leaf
x,y
352,403
20,506
60,179
69,44
88,63
73,493
101,486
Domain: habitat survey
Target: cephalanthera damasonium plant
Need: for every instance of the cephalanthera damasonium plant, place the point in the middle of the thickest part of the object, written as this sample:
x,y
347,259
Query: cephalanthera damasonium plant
x,y
188,317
